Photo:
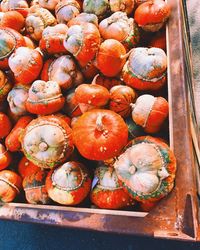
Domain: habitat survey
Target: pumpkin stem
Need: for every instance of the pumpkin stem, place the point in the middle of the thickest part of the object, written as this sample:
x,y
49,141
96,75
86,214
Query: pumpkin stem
x,y
126,55
94,79
99,123
132,105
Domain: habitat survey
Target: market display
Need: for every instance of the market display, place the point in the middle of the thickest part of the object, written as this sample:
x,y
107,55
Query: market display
x,y
83,103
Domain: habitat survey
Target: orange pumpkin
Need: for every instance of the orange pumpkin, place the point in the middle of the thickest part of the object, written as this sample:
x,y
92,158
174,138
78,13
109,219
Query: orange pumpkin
x,y
107,191
5,125
100,134
34,187
20,6
138,2
65,118
90,96
47,141
26,64
5,157
10,185
26,167
108,82
62,70
83,42
5,86
13,19
65,10
68,184
52,39
37,20
12,141
148,73
83,18
10,39
152,15
111,57
17,98
44,98
147,169
150,112
48,4
126,6
121,28
29,43
120,99
71,107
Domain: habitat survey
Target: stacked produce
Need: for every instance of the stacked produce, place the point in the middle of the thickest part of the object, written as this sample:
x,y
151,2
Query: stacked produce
x,y
83,103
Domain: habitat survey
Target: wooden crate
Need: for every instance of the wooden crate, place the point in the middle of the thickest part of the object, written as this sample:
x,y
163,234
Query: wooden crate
x,y
176,216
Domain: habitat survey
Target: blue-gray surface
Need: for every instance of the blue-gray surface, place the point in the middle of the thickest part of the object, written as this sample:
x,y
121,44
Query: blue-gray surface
x,y
14,235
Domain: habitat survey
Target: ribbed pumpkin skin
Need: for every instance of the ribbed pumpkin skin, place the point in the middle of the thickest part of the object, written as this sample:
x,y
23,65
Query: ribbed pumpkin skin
x,y
12,141
8,192
146,165
152,15
75,187
100,134
5,157
109,58
10,39
26,167
34,187
13,20
5,86
5,125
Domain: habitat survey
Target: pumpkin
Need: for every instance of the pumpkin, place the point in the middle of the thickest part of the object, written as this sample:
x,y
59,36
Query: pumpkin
x,y
20,6
152,15
62,70
71,107
34,188
5,86
138,2
47,141
5,125
5,157
83,18
68,184
150,112
37,20
158,40
10,185
13,19
12,141
107,191
90,70
147,169
29,43
111,57
90,96
26,167
17,98
9,40
121,28
48,4
44,98
126,6
145,69
100,134
100,8
120,99
52,39
66,10
26,64
65,118
83,41
108,82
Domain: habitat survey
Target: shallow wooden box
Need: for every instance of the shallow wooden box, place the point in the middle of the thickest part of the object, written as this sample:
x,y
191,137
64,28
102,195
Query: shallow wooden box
x,y
176,216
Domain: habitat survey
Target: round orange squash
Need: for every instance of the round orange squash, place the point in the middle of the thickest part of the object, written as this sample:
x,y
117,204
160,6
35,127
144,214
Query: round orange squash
x,y
5,157
5,125
100,134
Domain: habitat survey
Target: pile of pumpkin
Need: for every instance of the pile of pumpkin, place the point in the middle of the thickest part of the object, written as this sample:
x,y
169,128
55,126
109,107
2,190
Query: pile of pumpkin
x,y
81,105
